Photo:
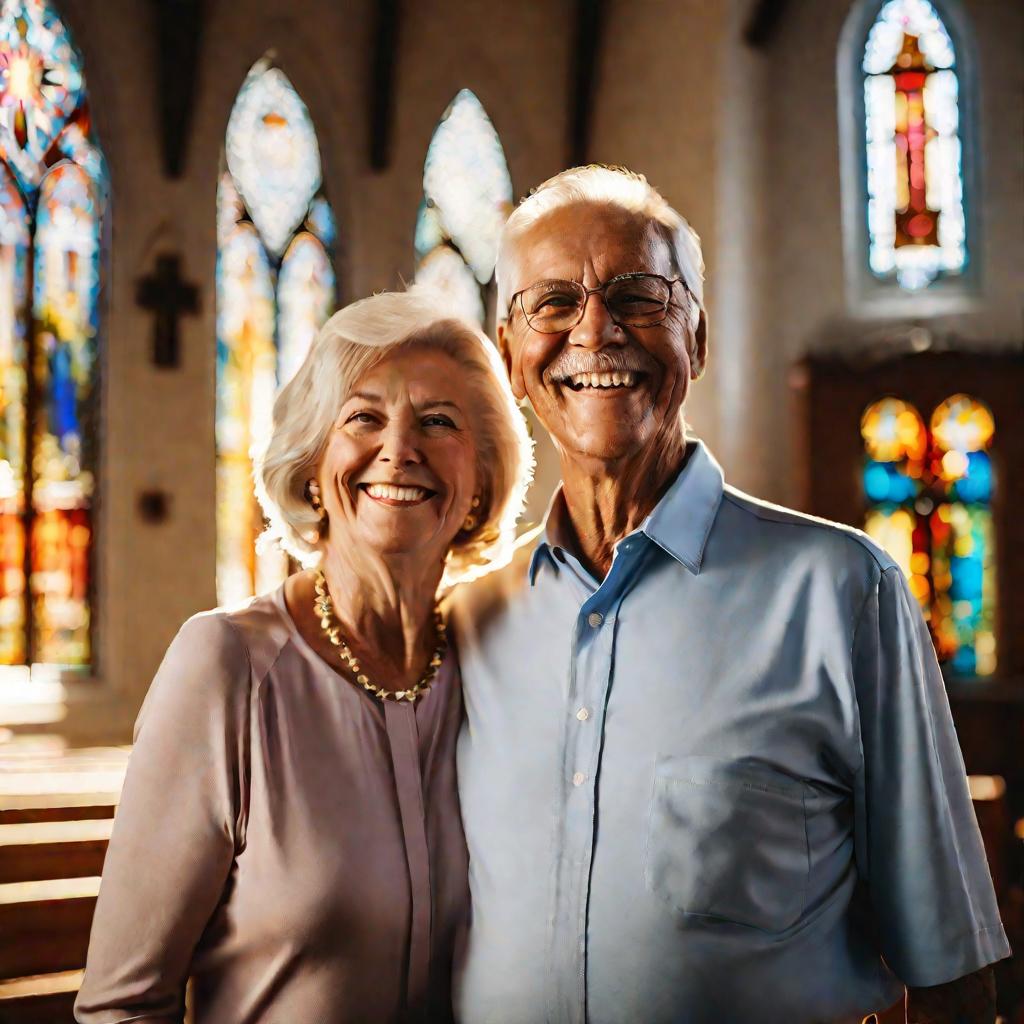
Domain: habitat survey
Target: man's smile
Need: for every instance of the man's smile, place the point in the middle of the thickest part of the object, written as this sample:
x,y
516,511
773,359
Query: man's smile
x,y
616,380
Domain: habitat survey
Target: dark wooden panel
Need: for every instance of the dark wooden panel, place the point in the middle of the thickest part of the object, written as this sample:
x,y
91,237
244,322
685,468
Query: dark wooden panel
x,y
832,394
40,861
41,936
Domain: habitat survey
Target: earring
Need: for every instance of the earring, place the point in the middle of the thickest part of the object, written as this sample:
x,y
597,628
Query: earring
x,y
469,523
313,497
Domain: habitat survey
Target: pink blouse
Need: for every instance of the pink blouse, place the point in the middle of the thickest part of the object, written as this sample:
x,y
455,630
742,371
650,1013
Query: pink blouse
x,y
283,837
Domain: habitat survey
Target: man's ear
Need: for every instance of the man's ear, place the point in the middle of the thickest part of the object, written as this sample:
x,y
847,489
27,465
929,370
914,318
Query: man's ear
x,y
514,371
699,347
506,356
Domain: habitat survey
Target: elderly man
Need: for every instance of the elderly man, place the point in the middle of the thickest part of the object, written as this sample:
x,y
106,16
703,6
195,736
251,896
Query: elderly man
x,y
708,772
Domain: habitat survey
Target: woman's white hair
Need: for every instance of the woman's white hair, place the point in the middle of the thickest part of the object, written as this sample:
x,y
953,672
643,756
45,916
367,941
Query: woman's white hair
x,y
353,341
602,184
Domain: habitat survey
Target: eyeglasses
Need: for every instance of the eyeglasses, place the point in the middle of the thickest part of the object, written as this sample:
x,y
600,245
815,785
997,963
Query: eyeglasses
x,y
632,300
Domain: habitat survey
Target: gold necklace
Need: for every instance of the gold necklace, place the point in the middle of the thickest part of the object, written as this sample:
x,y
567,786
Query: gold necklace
x,y
324,608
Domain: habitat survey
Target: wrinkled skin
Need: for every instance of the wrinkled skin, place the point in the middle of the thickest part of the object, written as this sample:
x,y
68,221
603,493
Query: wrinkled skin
x,y
619,448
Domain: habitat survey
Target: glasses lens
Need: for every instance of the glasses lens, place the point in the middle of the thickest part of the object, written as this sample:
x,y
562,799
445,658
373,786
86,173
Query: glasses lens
x,y
638,301
552,306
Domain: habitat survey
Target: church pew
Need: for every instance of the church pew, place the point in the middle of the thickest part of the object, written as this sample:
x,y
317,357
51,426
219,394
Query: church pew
x,y
43,999
19,810
45,925
35,851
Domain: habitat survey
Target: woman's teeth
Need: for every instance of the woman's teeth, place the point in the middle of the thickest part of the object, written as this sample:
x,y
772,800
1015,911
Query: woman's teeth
x,y
617,379
393,492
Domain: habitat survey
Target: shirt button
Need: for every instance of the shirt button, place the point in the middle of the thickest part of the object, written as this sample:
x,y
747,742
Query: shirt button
x,y
583,714
595,619
578,779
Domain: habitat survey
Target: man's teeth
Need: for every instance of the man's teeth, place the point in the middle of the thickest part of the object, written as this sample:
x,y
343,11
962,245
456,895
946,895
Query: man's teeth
x,y
396,493
617,379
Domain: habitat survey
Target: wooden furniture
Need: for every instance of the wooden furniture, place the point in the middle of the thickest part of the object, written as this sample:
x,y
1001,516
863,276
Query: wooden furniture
x,y
830,397
56,814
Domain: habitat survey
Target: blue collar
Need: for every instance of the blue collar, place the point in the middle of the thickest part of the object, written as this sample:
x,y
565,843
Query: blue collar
x,y
679,524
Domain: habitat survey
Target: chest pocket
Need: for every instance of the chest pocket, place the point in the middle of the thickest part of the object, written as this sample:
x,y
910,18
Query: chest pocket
x,y
728,840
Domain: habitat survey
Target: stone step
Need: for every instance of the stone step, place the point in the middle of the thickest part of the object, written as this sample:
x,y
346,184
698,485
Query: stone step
x,y
45,925
40,999
35,851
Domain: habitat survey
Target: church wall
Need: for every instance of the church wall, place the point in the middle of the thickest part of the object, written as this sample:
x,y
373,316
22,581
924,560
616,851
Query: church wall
x,y
742,141
158,425
804,305
655,112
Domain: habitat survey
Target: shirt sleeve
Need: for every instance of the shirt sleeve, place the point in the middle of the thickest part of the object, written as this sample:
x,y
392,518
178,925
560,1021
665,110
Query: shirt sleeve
x,y
178,824
917,839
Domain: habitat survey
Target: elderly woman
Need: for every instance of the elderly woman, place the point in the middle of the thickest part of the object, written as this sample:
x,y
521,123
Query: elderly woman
x,y
289,831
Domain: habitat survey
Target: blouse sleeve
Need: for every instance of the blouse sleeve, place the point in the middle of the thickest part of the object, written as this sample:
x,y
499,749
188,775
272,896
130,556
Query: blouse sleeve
x,y
918,845
180,820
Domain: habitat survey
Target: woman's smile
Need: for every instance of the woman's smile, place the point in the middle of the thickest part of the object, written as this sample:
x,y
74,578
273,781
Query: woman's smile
x,y
397,495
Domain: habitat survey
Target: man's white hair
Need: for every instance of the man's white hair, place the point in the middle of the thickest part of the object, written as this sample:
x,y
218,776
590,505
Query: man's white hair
x,y
352,342
598,183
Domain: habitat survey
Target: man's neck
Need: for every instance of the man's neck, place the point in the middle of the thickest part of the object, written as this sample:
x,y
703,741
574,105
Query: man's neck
x,y
606,501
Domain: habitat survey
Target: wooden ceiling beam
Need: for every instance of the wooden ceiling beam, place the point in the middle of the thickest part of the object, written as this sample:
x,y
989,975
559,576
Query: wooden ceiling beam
x,y
382,81
178,28
763,21
590,24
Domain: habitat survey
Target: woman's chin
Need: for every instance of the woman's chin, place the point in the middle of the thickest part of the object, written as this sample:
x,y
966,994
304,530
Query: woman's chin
x,y
401,541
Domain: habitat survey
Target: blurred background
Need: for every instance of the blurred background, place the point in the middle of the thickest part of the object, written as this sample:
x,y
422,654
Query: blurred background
x,y
188,188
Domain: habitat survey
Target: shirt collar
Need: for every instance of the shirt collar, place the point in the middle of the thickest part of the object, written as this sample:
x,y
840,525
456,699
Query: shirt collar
x,y
679,524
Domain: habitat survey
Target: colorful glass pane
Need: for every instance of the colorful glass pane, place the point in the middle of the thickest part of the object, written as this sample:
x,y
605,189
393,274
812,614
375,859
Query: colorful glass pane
x,y
963,424
41,87
915,211
321,222
52,188
275,288
929,505
429,232
895,442
305,298
272,154
962,429
893,430
246,384
963,621
14,248
445,270
65,309
466,180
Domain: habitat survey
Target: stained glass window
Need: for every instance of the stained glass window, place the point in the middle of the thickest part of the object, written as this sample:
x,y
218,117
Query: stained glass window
x,y
467,199
275,287
929,498
915,202
53,185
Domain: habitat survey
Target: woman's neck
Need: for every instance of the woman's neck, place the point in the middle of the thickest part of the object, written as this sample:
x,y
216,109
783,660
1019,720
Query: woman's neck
x,y
384,608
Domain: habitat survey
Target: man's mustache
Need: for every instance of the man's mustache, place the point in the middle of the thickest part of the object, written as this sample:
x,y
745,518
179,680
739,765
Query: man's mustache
x,y
568,364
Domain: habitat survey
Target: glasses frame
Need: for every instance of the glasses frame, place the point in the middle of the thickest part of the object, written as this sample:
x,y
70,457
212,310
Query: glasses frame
x,y
601,289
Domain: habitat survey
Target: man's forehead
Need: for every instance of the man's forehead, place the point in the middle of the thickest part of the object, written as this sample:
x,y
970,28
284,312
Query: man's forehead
x,y
576,237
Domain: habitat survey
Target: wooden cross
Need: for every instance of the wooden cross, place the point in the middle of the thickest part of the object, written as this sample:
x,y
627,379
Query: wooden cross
x,y
168,296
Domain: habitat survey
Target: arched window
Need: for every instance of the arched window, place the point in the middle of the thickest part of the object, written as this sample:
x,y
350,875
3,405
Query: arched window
x,y
53,185
902,92
929,504
275,287
467,197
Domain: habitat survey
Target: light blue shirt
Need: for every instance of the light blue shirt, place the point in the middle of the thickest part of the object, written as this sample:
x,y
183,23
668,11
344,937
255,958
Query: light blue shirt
x,y
721,785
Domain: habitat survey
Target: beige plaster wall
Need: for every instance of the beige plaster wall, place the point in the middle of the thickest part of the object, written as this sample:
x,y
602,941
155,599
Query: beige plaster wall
x,y
743,142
